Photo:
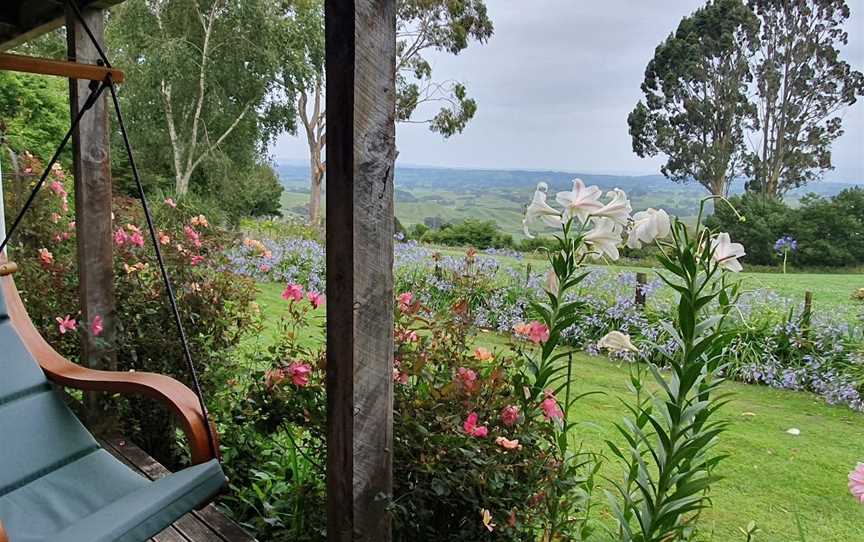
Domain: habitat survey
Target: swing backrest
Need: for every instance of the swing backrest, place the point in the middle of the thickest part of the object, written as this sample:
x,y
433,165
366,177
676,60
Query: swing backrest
x,y
38,432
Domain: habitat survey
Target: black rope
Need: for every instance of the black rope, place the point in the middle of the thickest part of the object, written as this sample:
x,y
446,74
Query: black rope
x,y
89,32
91,100
187,354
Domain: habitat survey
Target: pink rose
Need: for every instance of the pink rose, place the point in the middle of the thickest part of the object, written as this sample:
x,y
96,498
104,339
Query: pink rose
x,y
45,257
299,373
137,239
405,300
470,426
538,332
551,410
508,444
170,203
292,292
468,378
510,415
120,238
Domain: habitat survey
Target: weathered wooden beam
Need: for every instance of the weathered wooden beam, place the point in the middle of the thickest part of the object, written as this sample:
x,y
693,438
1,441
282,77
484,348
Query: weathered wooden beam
x,y
360,54
92,170
69,70
32,18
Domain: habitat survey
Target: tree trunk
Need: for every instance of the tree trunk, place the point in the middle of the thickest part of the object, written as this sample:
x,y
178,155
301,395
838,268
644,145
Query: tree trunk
x,y
315,178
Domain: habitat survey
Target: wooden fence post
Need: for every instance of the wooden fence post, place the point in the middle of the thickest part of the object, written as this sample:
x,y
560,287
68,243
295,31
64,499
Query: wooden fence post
x,y
807,314
361,150
92,170
641,282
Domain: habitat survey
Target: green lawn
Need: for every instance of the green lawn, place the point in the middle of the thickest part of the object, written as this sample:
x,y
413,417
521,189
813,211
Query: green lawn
x,y
770,476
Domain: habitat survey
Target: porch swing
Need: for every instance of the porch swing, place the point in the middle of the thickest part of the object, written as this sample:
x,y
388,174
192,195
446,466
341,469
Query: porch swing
x,y
56,482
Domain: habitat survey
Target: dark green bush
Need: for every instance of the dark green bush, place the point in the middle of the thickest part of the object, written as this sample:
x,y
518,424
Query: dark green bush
x,y
480,234
829,231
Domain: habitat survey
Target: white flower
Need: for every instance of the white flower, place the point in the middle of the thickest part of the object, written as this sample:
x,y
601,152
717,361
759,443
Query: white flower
x,y
648,226
616,341
551,285
618,209
604,238
794,431
726,253
581,201
538,209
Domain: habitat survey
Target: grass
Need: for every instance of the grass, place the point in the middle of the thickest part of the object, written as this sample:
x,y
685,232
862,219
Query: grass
x,y
770,476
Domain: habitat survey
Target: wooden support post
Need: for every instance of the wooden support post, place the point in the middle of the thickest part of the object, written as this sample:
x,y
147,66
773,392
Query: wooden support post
x,y
641,282
360,75
92,170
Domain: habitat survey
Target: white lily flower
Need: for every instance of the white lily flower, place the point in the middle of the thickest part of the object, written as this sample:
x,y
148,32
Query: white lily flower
x,y
538,209
648,226
604,238
552,283
580,202
615,341
618,209
726,253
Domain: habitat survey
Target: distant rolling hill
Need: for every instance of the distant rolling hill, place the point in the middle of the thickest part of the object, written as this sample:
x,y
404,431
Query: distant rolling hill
x,y
449,195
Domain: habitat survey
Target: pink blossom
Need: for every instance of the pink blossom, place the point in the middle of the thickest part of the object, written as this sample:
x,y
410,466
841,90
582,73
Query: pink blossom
x,y
45,257
200,220
273,377
170,203
55,217
299,373
405,300
470,426
551,410
399,377
264,268
96,326
539,333
510,415
522,329
57,188
856,483
482,354
66,324
193,236
315,299
468,378
196,259
508,444
164,239
137,239
292,292
120,238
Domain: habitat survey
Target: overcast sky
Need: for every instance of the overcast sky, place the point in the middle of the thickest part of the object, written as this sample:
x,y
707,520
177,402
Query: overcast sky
x,y
555,83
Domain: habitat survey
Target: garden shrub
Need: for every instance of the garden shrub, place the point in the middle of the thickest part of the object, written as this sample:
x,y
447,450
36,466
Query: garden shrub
x,y
215,304
480,234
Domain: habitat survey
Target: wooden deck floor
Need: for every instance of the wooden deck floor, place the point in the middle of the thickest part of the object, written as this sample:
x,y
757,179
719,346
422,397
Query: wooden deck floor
x,y
205,525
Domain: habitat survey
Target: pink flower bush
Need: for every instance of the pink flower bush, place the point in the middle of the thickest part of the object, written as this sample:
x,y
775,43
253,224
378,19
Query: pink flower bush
x,y
164,238
192,236
510,415
315,299
97,326
136,239
856,483
299,373
170,203
551,409
66,324
470,426
196,259
293,292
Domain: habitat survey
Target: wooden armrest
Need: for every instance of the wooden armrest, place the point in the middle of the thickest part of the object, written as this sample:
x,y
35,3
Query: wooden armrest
x,y
175,395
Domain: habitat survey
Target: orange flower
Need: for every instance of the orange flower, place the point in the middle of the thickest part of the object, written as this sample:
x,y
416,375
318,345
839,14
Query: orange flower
x,y
482,354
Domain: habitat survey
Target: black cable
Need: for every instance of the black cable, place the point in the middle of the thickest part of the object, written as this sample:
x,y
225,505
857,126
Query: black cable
x,y
187,354
94,95
80,17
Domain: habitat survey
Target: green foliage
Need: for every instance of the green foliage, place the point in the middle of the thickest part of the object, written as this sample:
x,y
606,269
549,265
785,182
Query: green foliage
x,y
215,305
828,230
34,114
696,103
480,234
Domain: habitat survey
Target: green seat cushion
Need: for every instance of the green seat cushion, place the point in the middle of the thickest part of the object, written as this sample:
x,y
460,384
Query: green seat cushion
x,y
57,484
